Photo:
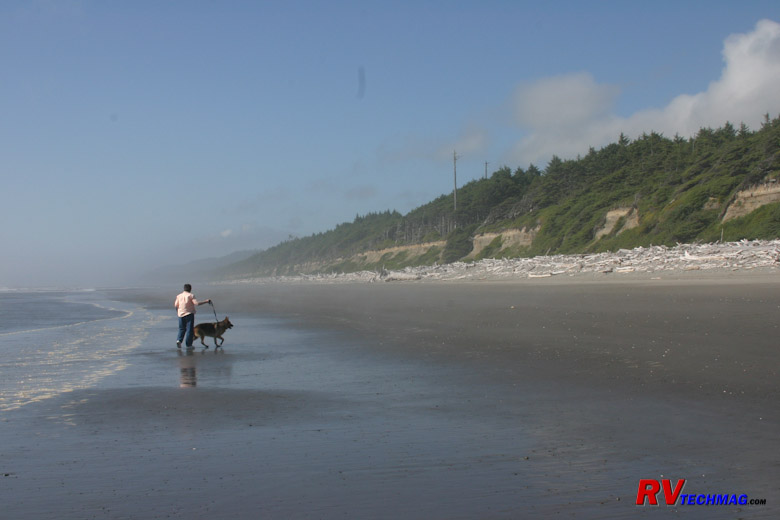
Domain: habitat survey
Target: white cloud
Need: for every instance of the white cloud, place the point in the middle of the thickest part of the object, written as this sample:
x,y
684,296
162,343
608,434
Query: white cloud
x,y
226,233
563,115
567,115
560,102
471,140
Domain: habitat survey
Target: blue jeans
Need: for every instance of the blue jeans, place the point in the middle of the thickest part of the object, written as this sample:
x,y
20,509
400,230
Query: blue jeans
x,y
186,326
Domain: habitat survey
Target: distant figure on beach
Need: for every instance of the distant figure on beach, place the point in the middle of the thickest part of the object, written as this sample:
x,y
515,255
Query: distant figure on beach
x,y
185,305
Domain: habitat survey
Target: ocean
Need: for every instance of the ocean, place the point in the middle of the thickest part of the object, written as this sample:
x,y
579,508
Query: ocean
x,y
59,341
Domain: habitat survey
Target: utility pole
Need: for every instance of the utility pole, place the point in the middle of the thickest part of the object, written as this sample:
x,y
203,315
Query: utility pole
x,y
455,178
486,163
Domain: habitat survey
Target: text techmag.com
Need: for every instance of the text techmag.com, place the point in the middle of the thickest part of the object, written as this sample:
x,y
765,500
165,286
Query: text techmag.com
x,y
648,489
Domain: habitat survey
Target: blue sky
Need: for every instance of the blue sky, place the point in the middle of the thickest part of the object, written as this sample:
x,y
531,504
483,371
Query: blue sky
x,y
139,134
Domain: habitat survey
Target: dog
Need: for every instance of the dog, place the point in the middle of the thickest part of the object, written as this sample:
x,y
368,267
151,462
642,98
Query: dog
x,y
213,330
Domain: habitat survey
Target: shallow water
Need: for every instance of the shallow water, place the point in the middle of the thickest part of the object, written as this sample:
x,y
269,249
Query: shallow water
x,y
56,342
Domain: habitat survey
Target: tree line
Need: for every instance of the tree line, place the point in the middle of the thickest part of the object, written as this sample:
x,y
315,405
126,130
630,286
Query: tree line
x,y
679,186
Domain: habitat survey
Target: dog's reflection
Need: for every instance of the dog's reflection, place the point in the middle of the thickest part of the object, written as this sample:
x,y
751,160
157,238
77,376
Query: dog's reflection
x,y
188,374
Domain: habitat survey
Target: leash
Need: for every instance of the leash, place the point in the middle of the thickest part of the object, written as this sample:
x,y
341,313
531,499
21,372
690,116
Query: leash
x,y
215,311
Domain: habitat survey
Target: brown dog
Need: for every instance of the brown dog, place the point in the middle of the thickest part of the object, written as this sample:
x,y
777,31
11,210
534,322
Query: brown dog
x,y
213,330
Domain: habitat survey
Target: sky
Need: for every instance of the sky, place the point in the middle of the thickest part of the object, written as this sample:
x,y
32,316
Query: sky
x,y
140,134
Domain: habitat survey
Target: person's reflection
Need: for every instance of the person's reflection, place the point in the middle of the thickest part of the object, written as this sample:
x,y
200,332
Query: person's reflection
x,y
188,376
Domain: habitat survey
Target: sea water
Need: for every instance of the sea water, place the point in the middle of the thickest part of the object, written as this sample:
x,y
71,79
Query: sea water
x,y
53,342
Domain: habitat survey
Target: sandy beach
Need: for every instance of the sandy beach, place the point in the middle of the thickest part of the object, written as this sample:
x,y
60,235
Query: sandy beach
x,y
524,399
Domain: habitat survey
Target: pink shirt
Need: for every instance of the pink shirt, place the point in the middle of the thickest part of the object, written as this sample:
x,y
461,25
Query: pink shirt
x,y
185,303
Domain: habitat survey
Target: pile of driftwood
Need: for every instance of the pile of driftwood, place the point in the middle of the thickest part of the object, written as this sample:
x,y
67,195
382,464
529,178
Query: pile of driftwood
x,y
731,256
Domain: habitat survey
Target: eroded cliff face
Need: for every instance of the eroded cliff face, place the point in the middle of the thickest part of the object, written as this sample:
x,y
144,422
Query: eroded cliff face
x,y
631,221
510,238
751,199
376,259
411,251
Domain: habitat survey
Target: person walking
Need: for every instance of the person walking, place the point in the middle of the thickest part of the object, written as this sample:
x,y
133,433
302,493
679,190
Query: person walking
x,y
185,305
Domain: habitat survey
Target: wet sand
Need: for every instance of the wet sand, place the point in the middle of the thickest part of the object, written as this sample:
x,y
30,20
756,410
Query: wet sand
x,y
423,400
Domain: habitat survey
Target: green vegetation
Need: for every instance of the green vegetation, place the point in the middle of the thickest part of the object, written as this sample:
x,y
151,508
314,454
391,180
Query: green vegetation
x,y
492,249
459,244
679,187
763,223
